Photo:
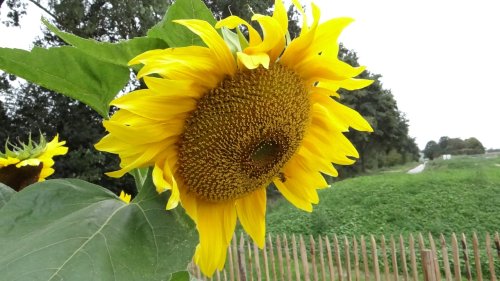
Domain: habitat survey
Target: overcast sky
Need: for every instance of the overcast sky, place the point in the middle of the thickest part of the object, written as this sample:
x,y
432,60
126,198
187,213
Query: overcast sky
x,y
440,58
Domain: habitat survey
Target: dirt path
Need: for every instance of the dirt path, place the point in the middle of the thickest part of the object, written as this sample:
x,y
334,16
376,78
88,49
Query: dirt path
x,y
417,169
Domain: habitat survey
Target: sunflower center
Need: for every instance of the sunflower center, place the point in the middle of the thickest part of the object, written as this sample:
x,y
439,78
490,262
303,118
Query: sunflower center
x,y
242,133
19,178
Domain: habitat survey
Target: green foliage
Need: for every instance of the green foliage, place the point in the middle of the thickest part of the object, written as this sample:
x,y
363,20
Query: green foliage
x,y
458,195
115,53
5,194
432,150
175,34
454,146
390,126
90,234
68,71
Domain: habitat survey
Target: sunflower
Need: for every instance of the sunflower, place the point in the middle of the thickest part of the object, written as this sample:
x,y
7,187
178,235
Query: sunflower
x,y
219,123
29,163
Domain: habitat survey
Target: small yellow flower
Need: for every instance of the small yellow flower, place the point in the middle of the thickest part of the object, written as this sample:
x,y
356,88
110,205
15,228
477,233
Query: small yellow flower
x,y
220,123
125,197
30,162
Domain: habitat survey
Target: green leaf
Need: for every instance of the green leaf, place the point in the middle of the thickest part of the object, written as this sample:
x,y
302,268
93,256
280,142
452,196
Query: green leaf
x,y
140,175
116,53
5,194
74,230
180,276
175,34
68,71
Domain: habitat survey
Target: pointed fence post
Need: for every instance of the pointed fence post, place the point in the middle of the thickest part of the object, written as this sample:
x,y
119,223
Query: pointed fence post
x,y
428,265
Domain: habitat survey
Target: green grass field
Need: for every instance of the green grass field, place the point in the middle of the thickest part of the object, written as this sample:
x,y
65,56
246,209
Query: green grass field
x,y
457,195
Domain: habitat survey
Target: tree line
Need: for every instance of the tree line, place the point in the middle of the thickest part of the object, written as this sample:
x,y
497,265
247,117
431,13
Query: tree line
x,y
453,146
30,109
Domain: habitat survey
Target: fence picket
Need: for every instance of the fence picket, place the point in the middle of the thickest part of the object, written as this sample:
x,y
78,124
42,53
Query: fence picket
x,y
288,261
356,258
428,265
384,258
375,258
313,258
456,259
256,255
477,260
322,258
280,258
295,258
242,272
250,261
347,256
231,252
435,255
491,263
466,258
421,244
303,257
365,258
266,263
446,262
271,256
330,259
402,251
394,260
413,259
337,257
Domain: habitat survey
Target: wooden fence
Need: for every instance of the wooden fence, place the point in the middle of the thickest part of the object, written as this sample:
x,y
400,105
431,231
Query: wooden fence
x,y
332,258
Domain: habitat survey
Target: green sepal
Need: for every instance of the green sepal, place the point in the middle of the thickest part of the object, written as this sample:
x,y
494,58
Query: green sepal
x,y
231,40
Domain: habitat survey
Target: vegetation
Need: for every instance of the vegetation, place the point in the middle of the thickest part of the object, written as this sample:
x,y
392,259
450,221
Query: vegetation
x,y
458,195
454,146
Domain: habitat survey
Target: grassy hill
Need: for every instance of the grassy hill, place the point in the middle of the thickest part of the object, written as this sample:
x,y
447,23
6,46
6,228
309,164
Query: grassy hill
x,y
457,195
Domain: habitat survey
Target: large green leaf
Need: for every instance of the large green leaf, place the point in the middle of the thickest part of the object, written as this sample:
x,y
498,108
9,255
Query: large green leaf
x,y
116,53
74,230
175,34
5,194
69,71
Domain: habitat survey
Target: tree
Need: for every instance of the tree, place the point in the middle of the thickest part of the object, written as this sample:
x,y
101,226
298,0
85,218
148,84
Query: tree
x,y
432,150
390,125
473,146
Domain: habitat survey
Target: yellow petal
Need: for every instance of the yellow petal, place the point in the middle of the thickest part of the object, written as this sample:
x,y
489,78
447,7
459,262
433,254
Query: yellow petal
x,y
343,114
253,61
214,42
216,223
280,15
293,198
28,162
125,197
251,211
233,22
4,162
149,105
274,38
45,172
